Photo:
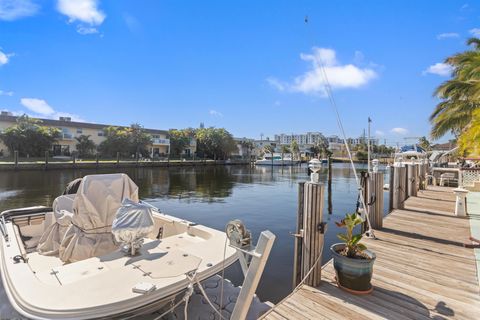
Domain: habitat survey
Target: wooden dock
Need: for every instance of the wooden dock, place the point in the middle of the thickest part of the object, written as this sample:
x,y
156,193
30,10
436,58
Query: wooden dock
x,y
422,270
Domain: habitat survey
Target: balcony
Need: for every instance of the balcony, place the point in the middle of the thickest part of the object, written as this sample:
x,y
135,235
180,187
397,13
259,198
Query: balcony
x,y
162,142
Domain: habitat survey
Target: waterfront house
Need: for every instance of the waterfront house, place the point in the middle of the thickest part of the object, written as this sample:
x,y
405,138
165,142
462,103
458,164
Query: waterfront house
x,y
66,144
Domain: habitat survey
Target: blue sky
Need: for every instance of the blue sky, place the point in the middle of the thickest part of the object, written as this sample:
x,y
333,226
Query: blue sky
x,y
250,66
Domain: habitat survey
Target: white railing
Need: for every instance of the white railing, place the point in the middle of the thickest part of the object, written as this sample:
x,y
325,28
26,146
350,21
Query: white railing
x,y
161,141
470,176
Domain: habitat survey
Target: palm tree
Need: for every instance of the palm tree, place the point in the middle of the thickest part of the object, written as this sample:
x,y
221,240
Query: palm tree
x,y
269,149
424,143
295,149
85,146
284,149
460,95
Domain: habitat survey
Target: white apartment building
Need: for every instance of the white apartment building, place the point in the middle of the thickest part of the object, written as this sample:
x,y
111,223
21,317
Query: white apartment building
x,y
309,138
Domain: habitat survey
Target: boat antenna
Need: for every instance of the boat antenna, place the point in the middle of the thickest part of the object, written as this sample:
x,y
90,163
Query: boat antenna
x,y
328,90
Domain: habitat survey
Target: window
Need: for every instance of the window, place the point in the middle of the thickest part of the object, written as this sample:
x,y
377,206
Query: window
x,y
101,133
79,130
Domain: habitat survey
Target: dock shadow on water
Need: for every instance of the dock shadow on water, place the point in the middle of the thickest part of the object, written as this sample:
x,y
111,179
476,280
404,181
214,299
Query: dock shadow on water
x,y
262,197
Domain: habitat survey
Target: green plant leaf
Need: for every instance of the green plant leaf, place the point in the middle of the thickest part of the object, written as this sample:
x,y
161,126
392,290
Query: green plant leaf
x,y
361,247
356,238
343,237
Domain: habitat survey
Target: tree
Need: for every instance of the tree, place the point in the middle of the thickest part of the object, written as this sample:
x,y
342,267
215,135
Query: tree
x,y
460,95
126,141
284,149
215,142
85,146
179,140
295,149
268,148
29,137
139,140
424,144
469,141
116,140
247,145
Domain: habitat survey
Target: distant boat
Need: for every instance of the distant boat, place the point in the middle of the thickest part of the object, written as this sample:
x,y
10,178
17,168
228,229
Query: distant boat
x,y
410,154
277,160
324,161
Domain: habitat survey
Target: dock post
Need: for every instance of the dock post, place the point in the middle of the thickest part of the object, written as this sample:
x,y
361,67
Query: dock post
x,y
74,160
375,199
364,176
313,234
96,160
412,174
46,160
399,187
330,206
422,176
118,158
298,243
15,158
390,188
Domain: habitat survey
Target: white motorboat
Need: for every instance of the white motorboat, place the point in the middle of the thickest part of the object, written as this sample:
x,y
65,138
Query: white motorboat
x,y
102,253
410,154
277,160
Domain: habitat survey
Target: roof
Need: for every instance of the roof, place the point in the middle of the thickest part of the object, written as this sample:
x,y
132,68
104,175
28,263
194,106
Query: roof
x,y
76,124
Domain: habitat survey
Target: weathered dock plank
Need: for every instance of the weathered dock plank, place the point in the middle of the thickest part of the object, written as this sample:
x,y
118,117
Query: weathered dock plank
x,y
422,270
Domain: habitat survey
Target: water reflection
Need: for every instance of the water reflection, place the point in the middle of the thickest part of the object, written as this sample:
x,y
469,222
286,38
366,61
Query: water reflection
x,y
263,197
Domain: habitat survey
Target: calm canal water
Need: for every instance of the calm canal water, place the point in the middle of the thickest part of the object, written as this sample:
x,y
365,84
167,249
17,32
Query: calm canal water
x,y
262,197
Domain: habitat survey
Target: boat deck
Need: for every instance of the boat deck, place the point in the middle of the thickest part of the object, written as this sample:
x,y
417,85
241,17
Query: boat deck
x,y
422,270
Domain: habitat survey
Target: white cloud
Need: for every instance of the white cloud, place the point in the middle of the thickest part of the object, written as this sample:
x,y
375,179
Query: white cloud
x,y
6,93
86,30
4,57
339,76
379,133
41,108
465,6
447,35
37,105
475,32
215,113
86,12
277,84
440,68
15,9
401,131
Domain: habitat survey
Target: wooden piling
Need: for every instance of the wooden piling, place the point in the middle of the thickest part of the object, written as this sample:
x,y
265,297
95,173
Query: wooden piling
x,y
96,160
298,245
118,158
15,158
412,174
313,234
375,199
399,186
390,189
422,176
329,186
46,160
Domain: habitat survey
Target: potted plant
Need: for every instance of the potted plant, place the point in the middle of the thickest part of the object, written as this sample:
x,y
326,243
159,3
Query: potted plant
x,y
352,261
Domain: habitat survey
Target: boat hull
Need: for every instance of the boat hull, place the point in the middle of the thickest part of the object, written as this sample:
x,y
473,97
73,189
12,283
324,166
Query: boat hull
x,y
276,162
102,287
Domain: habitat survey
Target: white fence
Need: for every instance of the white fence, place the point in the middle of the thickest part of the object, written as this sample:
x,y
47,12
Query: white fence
x,y
470,176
